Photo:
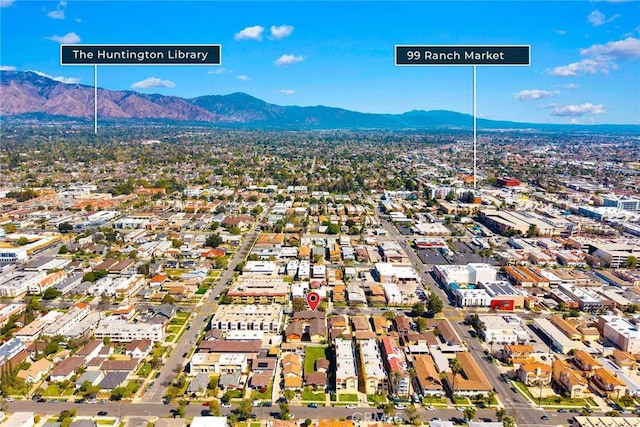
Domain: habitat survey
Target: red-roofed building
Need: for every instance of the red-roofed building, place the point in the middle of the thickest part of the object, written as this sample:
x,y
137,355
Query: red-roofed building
x,y
395,361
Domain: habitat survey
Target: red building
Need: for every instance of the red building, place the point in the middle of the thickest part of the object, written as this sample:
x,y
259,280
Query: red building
x,y
508,182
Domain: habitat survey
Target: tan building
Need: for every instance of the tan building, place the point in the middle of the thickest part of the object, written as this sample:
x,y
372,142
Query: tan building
x,y
516,355
607,384
585,362
471,381
346,373
569,380
259,291
534,374
427,381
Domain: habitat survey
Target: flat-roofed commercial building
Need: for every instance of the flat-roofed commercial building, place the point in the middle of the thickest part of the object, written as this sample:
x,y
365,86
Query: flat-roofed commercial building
x,y
587,300
558,340
505,329
240,317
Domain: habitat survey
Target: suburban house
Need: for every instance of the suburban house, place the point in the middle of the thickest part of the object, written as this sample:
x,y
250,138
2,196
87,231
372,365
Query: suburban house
x,y
36,371
66,369
513,354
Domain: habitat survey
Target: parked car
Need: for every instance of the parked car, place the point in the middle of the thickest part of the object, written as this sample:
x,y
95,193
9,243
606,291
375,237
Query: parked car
x,y
545,418
225,405
351,406
102,413
313,405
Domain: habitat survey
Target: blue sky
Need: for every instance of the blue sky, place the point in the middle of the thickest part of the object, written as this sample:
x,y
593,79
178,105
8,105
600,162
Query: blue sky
x,y
585,55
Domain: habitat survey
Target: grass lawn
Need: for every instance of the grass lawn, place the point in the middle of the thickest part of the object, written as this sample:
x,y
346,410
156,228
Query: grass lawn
x,y
170,338
434,401
348,397
461,400
376,398
256,395
174,271
179,321
173,329
144,370
52,391
550,401
201,291
182,315
106,422
308,394
255,424
312,354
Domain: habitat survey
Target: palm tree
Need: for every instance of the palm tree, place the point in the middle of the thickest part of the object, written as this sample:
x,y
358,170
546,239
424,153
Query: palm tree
x,y
396,377
456,368
412,376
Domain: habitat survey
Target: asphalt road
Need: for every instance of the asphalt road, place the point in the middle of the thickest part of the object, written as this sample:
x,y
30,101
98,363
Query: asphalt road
x,y
176,361
147,410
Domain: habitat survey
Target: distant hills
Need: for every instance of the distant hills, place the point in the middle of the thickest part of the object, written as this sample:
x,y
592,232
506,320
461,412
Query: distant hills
x,y
28,95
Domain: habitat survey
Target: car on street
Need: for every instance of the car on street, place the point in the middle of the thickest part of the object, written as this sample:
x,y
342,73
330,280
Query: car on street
x,y
9,399
351,406
562,411
312,405
225,405
400,407
545,417
102,413
266,404
430,408
254,416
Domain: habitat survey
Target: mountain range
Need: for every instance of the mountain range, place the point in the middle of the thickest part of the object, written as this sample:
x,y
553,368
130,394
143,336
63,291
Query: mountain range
x,y
26,94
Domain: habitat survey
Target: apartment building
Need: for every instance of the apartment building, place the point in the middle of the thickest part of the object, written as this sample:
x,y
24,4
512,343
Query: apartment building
x,y
374,379
346,373
236,317
118,330
396,361
621,332
259,291
65,322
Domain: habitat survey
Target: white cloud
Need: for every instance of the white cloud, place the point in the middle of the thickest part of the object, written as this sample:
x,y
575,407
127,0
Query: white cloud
x,y
287,91
597,18
622,49
219,71
69,38
243,77
281,31
7,68
571,86
250,33
61,79
585,66
561,32
153,82
59,12
552,105
578,110
289,59
6,3
531,94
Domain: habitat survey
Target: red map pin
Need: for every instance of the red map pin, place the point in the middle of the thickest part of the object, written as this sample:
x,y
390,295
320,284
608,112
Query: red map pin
x,y
313,299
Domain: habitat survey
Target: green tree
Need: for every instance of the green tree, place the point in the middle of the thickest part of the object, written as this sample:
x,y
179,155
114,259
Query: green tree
x,y
333,228
631,262
418,309
214,407
434,305
289,395
421,324
508,421
213,240
63,250
500,414
244,409
22,241
51,293
456,368
65,227
119,393
532,231
298,304
285,411
469,413
389,315
51,348
168,299
389,409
